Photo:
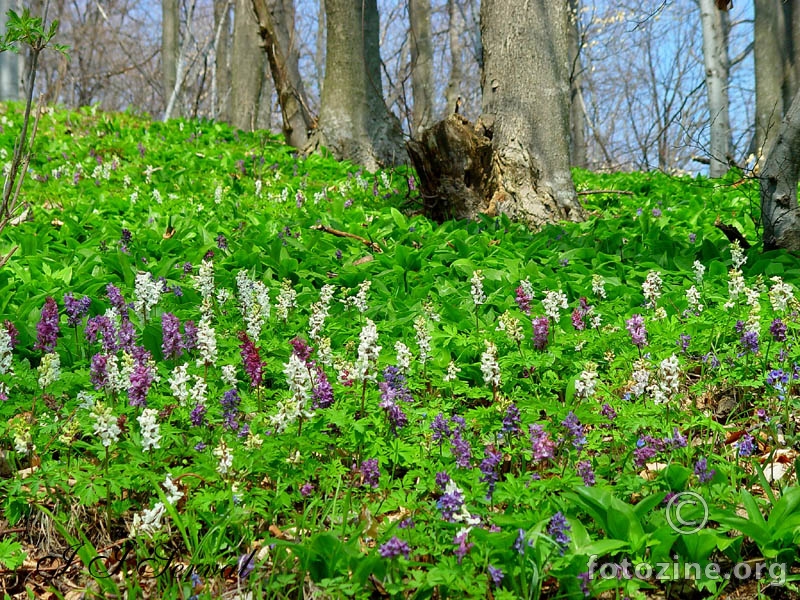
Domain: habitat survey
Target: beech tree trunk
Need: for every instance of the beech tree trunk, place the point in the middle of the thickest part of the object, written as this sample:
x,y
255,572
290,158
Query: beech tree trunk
x,y
419,13
577,110
717,65
780,213
525,82
770,53
170,46
276,28
9,62
354,123
222,69
248,66
456,80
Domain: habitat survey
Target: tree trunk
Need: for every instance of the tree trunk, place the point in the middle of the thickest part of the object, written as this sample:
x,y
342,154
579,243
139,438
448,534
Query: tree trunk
x,y
769,51
456,80
9,63
525,84
276,28
354,123
419,13
780,213
717,65
577,112
222,68
247,68
170,46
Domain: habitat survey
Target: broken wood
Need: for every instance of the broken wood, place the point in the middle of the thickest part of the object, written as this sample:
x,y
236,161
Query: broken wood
x,y
346,234
590,192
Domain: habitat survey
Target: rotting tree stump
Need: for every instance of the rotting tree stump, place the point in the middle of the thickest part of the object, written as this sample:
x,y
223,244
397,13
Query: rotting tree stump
x,y
454,162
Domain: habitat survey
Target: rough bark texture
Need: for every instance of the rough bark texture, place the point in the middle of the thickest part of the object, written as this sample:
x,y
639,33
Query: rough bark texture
x,y
779,177
770,51
222,67
717,66
247,68
419,13
525,84
170,40
455,81
577,111
276,28
9,63
454,163
354,123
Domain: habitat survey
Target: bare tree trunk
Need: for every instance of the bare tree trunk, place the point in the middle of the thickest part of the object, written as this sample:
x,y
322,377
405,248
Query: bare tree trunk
x,y
170,45
419,13
779,177
717,65
247,67
455,25
769,52
9,63
221,91
354,123
525,84
577,112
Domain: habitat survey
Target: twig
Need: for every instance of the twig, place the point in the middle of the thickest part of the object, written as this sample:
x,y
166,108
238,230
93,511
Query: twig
x,y
590,192
372,245
4,260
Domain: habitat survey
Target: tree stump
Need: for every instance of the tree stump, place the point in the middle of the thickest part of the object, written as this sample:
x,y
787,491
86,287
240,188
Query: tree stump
x,y
453,160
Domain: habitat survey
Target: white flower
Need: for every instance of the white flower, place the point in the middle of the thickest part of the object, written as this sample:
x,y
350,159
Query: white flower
x,y
224,456
206,343
258,185
324,353
693,299
360,298
254,304
527,287
5,352
172,491
86,400
552,302
423,338
157,196
49,370
598,286
105,424
177,383
287,299
229,376
489,366
218,194
478,296
148,522
668,378
652,288
319,311
736,287
368,351
511,326
204,280
298,378
452,371
150,429
586,384
147,292
780,295
737,255
699,271
641,377
199,390
404,357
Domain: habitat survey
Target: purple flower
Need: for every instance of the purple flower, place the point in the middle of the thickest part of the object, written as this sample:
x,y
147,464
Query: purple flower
x,y
172,341
407,523
98,373
523,300
397,418
198,415
322,393
520,542
496,575
13,333
301,349
126,333
558,529
747,445
47,327
656,212
245,565
608,412
643,454
450,503
511,419
230,409
776,378
692,238
635,325
543,446
702,471
189,336
778,330
251,359
307,489
222,243
749,341
76,309
115,297
394,548
586,577
584,469
462,545
575,429
101,325
140,380
541,332
577,319
442,479
441,430
370,473
684,341
461,450
488,467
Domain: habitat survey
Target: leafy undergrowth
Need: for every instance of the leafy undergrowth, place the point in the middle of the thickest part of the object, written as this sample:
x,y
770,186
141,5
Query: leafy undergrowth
x,y
210,391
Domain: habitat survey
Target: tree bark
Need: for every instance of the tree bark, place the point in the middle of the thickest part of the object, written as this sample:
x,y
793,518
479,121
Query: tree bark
x,y
525,83
247,68
717,67
456,80
419,13
170,46
354,123
770,51
577,111
276,28
222,70
9,63
780,213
